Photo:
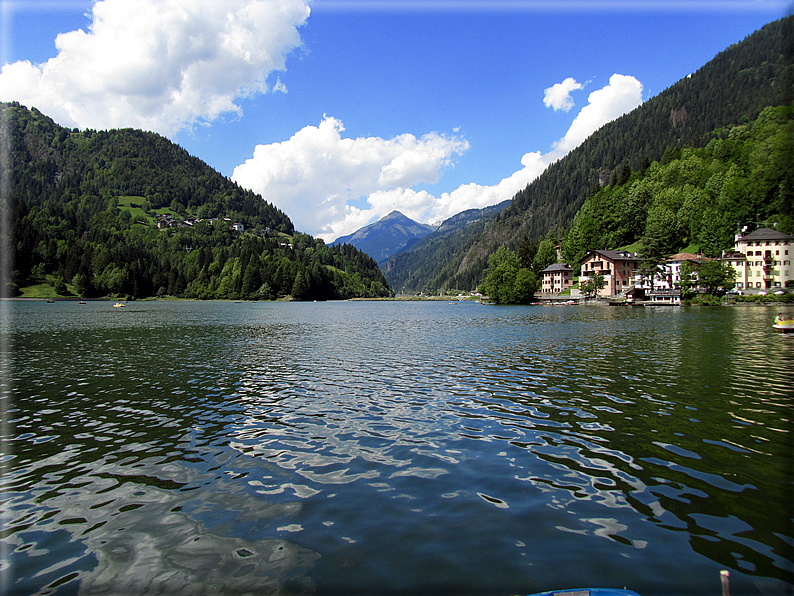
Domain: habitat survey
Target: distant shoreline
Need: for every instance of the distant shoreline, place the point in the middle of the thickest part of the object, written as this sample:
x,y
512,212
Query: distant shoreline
x,y
548,301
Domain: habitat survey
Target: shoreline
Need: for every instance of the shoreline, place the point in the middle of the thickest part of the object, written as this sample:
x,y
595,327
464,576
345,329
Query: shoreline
x,y
547,301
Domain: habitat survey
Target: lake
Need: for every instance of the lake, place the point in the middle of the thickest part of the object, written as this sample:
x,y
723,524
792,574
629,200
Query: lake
x,y
394,448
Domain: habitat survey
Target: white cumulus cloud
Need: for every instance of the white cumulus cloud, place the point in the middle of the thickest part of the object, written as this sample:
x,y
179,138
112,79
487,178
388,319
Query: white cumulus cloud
x,y
558,96
159,65
331,186
620,96
314,175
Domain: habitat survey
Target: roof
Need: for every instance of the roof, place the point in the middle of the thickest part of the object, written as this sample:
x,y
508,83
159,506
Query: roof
x,y
557,267
613,255
686,256
767,234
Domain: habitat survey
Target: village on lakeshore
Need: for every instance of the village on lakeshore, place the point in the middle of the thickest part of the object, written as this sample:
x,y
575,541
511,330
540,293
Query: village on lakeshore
x,y
761,261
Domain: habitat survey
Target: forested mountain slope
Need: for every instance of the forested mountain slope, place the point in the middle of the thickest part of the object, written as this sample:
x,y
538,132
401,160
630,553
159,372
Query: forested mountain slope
x,y
431,257
52,162
696,196
83,209
731,89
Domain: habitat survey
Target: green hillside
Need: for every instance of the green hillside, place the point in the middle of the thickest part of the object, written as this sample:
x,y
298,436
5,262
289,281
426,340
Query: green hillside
x,y
732,89
128,213
696,197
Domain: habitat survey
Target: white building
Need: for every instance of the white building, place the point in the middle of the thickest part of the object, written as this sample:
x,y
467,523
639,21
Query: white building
x,y
666,285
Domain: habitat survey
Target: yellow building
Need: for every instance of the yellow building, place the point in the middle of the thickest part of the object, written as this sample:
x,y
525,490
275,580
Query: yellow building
x,y
762,260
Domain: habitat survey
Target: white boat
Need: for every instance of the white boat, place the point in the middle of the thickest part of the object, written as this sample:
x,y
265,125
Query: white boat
x,y
783,325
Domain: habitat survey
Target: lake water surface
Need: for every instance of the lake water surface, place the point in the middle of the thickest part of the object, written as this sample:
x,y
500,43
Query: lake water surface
x,y
394,448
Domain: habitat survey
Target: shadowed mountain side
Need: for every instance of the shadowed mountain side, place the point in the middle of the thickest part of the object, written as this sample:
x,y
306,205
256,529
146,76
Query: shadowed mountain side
x,y
434,255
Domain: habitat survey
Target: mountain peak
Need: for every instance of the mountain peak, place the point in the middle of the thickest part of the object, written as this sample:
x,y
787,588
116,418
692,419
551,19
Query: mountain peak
x,y
388,236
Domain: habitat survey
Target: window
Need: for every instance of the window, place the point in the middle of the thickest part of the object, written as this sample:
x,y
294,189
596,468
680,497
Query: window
x,y
739,285
758,284
777,284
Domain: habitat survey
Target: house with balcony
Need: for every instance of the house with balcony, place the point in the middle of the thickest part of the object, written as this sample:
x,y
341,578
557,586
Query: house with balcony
x,y
762,260
556,278
618,268
666,284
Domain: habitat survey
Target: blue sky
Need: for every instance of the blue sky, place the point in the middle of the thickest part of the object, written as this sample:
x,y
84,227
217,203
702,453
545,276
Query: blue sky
x,y
339,111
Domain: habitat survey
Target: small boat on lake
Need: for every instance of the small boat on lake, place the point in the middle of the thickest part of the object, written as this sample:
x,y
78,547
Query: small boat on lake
x,y
118,304
783,324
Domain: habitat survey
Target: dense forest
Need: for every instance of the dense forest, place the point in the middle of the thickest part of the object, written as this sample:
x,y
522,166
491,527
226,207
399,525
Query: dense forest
x,y
696,196
82,212
732,89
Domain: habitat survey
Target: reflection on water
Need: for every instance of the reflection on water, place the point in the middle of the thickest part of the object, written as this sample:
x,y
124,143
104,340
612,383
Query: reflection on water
x,y
374,448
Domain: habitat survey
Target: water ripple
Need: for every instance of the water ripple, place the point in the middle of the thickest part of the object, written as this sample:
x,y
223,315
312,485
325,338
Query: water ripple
x,y
331,448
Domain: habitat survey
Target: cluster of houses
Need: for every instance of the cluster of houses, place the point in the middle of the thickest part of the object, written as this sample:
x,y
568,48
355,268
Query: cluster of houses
x,y
169,221
761,260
